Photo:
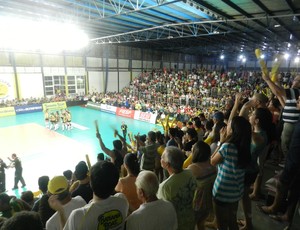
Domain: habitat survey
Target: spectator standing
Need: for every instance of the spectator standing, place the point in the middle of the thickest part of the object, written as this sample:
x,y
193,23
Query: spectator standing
x,y
84,189
179,188
41,205
58,187
152,213
104,211
126,185
231,157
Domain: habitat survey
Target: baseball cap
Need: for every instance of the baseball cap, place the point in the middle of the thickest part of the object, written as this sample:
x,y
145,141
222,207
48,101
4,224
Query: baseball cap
x,y
57,185
219,116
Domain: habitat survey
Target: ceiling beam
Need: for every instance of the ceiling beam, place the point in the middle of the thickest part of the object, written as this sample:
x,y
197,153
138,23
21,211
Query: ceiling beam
x,y
264,8
291,5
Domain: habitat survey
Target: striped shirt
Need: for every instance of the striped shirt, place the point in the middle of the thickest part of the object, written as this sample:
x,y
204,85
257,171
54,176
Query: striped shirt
x,y
290,112
229,184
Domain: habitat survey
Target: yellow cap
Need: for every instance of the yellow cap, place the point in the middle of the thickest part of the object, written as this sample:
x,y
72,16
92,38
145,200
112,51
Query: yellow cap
x,y
57,185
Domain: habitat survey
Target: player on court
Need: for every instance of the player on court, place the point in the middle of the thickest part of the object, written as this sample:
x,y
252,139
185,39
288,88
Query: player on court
x,y
46,116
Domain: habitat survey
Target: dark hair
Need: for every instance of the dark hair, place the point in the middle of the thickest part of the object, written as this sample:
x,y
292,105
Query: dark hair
x,y
198,123
152,136
23,221
241,138
28,197
63,195
117,145
81,170
100,157
68,174
160,138
132,163
201,152
143,138
104,178
265,122
209,125
43,183
275,103
4,198
180,134
173,132
193,133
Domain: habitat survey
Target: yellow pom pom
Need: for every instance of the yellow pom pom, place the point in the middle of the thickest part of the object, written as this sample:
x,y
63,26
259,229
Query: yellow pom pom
x,y
257,53
160,150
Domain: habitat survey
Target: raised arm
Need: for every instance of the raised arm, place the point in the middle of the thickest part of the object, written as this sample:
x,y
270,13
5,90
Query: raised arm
x,y
276,89
234,111
104,149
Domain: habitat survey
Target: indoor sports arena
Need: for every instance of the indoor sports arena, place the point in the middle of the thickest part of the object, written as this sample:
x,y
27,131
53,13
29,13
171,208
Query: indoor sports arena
x,y
153,114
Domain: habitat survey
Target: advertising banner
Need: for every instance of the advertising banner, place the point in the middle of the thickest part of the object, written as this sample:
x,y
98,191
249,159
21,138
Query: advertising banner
x,y
55,105
125,113
21,109
7,111
93,105
145,116
108,108
7,87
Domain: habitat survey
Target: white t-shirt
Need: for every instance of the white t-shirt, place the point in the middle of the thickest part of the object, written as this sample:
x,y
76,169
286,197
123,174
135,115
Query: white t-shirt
x,y
54,222
158,215
108,214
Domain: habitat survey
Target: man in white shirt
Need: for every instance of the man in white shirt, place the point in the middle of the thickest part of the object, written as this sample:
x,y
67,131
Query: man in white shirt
x,y
59,189
152,213
104,211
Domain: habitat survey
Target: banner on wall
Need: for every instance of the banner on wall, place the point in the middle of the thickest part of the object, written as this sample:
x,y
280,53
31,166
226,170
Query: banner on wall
x,y
21,109
6,87
55,105
145,116
7,111
125,113
108,108
93,105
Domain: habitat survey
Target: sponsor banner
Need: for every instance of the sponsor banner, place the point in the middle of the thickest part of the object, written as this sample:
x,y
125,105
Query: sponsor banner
x,y
55,105
145,116
7,91
125,113
7,111
108,108
20,109
93,105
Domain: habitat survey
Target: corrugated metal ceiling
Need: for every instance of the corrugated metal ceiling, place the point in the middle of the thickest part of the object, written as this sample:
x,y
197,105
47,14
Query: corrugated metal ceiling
x,y
197,27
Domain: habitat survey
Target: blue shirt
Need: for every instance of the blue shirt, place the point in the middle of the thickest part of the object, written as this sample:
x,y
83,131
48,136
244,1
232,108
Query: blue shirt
x,y
229,184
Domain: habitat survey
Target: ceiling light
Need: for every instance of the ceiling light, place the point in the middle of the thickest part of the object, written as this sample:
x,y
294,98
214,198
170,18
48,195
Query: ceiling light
x,y
297,59
262,56
244,60
277,25
222,57
286,56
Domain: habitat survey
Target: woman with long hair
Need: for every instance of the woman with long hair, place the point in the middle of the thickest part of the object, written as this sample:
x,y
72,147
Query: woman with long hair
x,y
205,175
232,157
262,134
126,185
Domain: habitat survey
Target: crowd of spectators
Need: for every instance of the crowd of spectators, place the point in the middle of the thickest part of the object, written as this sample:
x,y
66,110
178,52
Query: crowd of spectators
x,y
196,171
